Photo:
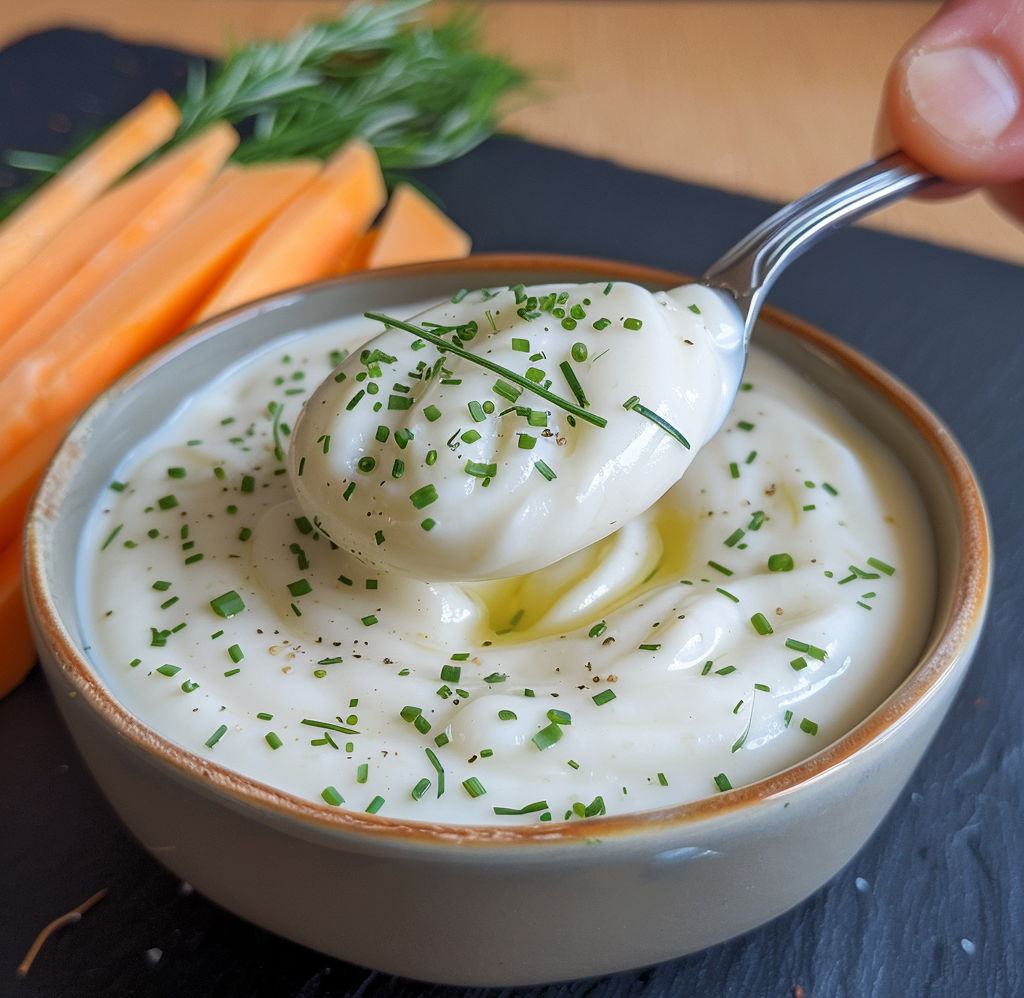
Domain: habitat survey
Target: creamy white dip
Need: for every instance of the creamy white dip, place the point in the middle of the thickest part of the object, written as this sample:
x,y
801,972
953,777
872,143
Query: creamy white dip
x,y
759,609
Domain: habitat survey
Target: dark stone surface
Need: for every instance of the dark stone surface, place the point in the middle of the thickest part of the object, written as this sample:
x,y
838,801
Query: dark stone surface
x,y
932,906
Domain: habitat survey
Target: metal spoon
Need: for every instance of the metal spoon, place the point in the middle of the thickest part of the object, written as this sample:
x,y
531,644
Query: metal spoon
x,y
748,270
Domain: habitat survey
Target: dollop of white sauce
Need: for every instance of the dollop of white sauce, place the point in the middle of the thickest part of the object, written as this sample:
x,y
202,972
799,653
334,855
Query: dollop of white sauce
x,y
674,653
429,465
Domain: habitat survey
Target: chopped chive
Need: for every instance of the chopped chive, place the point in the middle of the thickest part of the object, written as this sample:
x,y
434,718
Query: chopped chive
x,y
300,587
757,518
527,442
780,563
495,677
725,670
236,653
398,468
332,796
369,620
480,469
559,716
720,568
662,780
362,772
865,605
216,736
507,715
506,391
542,467
169,670
608,288
598,629
735,536
750,457
366,464
227,604
328,726
602,324
272,740
541,805
633,324
167,502
263,716
379,537
573,382
721,780
633,404
724,592
799,663
810,727
460,656
832,492
438,768
523,346
470,437
420,789
354,401
761,625
603,697
547,736
232,672
649,647
428,523
451,673
400,402
346,495
881,566
303,525
474,787
707,668
744,425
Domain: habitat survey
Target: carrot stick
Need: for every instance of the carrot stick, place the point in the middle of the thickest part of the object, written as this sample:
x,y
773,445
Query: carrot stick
x,y
84,179
19,654
18,478
300,244
414,230
145,305
357,257
154,201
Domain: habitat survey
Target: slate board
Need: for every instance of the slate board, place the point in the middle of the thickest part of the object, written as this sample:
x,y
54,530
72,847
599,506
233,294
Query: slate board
x,y
932,906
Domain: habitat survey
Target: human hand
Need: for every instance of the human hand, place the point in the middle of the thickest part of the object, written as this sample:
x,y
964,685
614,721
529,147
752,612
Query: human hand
x,y
953,99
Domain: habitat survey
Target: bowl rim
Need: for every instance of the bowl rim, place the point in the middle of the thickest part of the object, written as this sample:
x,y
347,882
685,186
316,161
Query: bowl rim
x,y
938,660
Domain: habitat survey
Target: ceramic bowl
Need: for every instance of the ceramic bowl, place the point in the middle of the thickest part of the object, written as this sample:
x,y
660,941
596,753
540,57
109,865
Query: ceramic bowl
x,y
500,905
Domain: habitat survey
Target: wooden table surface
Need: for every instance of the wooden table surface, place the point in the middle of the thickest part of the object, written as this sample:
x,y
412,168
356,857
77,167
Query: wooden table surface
x,y
759,96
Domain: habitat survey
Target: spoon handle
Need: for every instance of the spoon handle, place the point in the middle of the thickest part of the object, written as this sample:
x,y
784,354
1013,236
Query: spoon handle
x,y
749,269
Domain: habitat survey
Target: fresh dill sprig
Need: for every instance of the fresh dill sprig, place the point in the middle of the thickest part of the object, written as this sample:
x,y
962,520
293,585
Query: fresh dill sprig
x,y
420,94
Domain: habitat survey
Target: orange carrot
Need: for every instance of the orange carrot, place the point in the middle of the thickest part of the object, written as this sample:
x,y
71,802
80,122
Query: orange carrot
x,y
19,654
414,230
32,225
18,478
356,258
159,197
300,244
145,305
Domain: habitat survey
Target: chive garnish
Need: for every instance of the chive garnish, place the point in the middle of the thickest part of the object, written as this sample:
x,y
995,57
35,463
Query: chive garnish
x,y
438,768
649,647
603,697
227,604
810,727
735,536
574,385
832,492
272,740
216,736
300,588
331,795
598,629
780,563
799,663
761,625
167,502
707,668
633,324
724,592
510,376
420,789
541,805
369,620
543,468
169,670
633,404
474,787
236,653
720,568
725,670
329,726
721,780
881,566
547,736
